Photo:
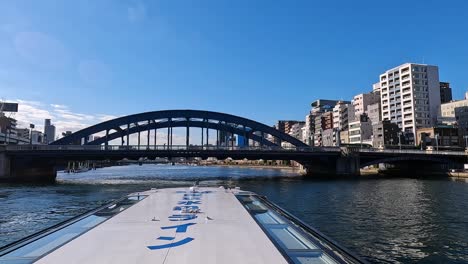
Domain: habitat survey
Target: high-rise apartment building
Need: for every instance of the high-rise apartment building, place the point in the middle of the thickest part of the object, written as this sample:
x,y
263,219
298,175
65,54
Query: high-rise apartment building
x,y
410,96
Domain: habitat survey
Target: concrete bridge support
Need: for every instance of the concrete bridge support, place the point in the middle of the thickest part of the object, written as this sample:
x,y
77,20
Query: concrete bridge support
x,y
326,166
415,168
26,169
4,166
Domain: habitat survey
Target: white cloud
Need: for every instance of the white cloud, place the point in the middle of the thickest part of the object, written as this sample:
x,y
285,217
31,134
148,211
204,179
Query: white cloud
x,y
64,119
136,13
58,106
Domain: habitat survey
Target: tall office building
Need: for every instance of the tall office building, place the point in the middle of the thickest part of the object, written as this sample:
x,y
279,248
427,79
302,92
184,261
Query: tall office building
x,y
445,92
49,131
410,96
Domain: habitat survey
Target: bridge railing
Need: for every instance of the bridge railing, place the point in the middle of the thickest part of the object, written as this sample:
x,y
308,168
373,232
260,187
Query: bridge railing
x,y
220,148
161,148
412,151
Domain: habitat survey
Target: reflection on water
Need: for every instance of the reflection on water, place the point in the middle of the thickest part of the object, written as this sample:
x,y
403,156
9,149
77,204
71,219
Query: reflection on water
x,y
383,220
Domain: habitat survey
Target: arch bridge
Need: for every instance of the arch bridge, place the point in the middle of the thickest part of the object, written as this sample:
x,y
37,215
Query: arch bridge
x,y
36,162
150,123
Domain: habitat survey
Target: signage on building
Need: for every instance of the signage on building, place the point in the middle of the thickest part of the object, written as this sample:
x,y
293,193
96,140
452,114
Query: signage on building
x,y
8,107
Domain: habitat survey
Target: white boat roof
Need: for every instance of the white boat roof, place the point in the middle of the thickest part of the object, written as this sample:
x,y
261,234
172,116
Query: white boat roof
x,y
180,225
132,236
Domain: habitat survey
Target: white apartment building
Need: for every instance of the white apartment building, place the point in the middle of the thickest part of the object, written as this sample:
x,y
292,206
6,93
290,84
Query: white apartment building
x,y
410,96
361,101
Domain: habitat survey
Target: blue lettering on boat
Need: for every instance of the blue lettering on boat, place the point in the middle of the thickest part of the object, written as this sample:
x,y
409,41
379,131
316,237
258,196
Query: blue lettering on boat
x,y
179,217
179,228
170,245
189,202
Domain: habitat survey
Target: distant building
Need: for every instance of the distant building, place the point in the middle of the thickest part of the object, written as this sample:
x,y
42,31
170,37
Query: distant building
x,y
66,133
323,122
7,125
373,112
461,117
344,136
285,126
8,130
309,128
242,141
376,87
438,136
360,130
37,137
385,133
410,96
324,105
447,110
331,137
296,130
322,114
361,101
445,92
49,131
343,113
23,133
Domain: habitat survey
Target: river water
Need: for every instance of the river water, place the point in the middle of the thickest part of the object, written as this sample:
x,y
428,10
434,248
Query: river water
x,y
397,220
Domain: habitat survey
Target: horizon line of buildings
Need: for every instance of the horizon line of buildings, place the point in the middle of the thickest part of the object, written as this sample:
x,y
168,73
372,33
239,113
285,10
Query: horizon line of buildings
x,y
408,105
11,134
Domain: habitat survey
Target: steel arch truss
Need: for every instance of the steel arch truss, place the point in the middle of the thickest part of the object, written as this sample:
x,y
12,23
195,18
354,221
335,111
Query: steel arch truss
x,y
122,127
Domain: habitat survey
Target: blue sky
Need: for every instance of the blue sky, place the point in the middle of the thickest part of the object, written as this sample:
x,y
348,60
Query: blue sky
x,y
265,60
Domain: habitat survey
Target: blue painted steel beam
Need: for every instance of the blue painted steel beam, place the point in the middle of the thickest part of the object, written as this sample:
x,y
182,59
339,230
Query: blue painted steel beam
x,y
174,114
218,126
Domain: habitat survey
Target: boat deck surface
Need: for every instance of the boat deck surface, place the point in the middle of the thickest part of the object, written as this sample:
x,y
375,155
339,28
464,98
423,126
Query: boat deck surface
x,y
223,232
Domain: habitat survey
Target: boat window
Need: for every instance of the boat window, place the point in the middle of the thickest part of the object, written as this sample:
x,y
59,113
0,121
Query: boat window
x,y
290,238
299,244
31,249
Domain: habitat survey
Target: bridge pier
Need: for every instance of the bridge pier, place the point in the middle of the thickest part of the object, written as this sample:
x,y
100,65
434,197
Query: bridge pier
x,y
345,165
4,167
415,168
26,169
339,167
